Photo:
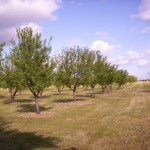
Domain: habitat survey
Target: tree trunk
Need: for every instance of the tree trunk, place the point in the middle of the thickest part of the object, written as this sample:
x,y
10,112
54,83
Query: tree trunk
x,y
119,86
74,93
103,89
93,91
59,90
110,87
20,92
12,95
36,104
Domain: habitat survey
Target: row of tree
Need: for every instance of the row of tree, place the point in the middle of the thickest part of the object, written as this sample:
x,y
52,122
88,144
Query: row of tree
x,y
29,65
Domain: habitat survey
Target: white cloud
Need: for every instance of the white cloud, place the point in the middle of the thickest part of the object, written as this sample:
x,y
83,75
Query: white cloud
x,y
133,57
120,60
35,27
103,46
147,51
14,13
8,33
132,54
144,11
143,62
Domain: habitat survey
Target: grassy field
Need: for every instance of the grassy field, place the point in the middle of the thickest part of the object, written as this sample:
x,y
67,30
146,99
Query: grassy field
x,y
118,120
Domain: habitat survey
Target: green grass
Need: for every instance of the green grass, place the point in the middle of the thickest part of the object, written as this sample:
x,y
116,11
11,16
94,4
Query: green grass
x,y
118,120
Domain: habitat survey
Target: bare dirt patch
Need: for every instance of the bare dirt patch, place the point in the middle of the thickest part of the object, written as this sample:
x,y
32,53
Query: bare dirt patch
x,y
34,115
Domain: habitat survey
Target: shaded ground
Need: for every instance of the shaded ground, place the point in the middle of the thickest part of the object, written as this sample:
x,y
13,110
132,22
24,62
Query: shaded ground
x,y
16,140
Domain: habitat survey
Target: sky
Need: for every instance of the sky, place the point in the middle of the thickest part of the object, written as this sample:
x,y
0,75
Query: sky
x,y
120,29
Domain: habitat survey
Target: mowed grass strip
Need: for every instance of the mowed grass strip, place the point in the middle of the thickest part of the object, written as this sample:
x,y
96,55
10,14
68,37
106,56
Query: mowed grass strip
x,y
117,120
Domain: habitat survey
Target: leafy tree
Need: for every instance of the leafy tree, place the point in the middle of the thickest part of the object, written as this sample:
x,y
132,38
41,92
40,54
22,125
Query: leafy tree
x,y
12,78
58,79
1,60
121,77
30,55
101,70
1,49
74,63
111,72
131,79
89,78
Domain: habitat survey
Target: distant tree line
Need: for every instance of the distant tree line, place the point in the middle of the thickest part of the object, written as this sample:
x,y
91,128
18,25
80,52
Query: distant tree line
x,y
29,65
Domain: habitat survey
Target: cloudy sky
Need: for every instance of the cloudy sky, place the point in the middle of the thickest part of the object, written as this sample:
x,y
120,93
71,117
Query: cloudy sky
x,y
119,28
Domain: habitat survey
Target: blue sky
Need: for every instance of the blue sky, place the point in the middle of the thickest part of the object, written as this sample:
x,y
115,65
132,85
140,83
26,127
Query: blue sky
x,y
119,28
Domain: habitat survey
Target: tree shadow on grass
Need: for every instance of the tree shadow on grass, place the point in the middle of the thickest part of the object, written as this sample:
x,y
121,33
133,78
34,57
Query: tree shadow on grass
x,y
30,108
24,100
73,148
16,140
86,95
8,101
103,93
67,100
2,96
146,91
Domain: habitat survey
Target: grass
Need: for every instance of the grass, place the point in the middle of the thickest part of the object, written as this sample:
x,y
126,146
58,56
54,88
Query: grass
x,y
118,120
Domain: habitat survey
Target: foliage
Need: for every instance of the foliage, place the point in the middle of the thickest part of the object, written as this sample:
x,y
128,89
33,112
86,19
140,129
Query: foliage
x,y
30,65
31,57
121,77
1,61
102,70
58,79
75,66
12,78
131,79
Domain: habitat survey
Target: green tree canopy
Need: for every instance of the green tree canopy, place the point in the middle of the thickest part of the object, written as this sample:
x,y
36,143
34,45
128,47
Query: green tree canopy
x,y
31,55
75,66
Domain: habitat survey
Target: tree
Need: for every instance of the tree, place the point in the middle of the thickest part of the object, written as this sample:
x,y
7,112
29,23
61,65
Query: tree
x,y
121,77
58,79
74,64
131,79
111,72
12,78
30,56
1,60
101,70
89,78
